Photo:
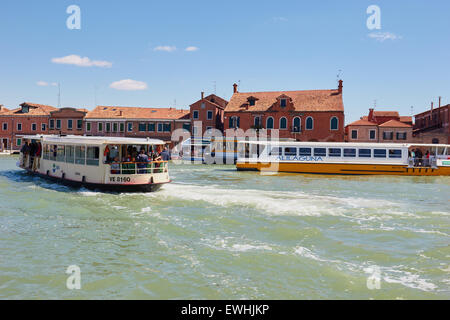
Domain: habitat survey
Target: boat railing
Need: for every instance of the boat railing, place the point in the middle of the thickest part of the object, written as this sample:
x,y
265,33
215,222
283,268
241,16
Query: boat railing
x,y
129,168
422,162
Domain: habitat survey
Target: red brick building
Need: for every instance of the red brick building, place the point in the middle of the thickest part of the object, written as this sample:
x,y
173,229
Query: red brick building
x,y
29,119
209,112
158,123
380,126
311,115
67,121
433,126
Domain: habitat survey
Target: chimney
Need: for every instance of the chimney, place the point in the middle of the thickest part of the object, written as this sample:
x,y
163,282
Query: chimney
x,y
431,106
340,86
1,107
120,113
370,117
235,88
203,95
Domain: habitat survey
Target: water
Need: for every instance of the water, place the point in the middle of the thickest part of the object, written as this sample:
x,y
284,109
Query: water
x,y
215,233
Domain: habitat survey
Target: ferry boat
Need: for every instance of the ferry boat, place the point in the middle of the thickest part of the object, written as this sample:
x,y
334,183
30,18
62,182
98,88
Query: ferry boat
x,y
104,163
344,158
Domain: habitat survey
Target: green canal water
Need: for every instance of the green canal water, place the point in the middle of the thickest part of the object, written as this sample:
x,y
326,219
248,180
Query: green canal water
x,y
215,233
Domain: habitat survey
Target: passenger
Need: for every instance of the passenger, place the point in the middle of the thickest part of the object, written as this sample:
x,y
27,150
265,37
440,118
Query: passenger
x,y
127,166
115,166
427,159
37,158
134,153
142,161
165,154
25,150
106,154
419,155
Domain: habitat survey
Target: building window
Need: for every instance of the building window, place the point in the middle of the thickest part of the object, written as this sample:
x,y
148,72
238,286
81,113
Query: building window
x,y
203,105
309,123
334,123
354,134
296,125
88,126
195,114
283,103
58,124
257,122
33,127
115,127
69,124
100,127
19,142
52,124
5,126
372,134
122,127
130,127
209,115
167,127
108,127
251,102
435,141
388,135
151,127
19,127
187,126
43,126
234,122
160,127
401,135
283,123
142,127
269,123
79,124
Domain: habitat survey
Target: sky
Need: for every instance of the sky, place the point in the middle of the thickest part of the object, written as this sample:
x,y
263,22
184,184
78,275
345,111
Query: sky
x,y
165,53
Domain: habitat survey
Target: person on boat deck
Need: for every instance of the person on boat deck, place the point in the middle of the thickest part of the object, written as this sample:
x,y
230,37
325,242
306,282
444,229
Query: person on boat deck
x,y
33,149
25,151
115,166
106,154
142,160
37,158
419,156
165,154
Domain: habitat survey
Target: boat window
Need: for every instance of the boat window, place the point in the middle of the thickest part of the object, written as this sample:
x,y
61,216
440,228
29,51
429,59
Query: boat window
x,y
80,154
320,152
276,151
379,153
351,153
70,154
53,150
60,154
395,153
46,152
365,153
306,152
334,152
92,157
290,151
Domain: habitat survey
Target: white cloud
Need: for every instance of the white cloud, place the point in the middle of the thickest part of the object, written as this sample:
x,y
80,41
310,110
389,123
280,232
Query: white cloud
x,y
42,83
190,49
383,36
129,85
165,48
279,19
81,61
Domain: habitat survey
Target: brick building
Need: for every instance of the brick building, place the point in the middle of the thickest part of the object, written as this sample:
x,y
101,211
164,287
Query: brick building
x,y
158,123
433,126
380,126
311,115
67,121
209,112
28,119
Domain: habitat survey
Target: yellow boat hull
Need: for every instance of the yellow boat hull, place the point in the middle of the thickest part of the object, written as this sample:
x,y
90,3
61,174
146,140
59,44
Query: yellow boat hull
x,y
343,169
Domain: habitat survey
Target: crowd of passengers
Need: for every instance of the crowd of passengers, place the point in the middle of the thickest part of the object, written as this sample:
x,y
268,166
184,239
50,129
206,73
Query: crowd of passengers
x,y
31,150
131,158
422,160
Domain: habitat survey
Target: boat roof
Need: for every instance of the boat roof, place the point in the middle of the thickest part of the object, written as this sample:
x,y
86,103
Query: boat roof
x,y
345,144
71,139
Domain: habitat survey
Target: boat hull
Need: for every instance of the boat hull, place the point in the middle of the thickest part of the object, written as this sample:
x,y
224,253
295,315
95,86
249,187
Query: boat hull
x,y
121,188
342,169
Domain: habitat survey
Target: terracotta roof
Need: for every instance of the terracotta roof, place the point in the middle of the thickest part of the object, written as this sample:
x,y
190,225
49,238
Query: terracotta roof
x,y
406,119
111,112
395,124
363,122
34,110
386,114
303,100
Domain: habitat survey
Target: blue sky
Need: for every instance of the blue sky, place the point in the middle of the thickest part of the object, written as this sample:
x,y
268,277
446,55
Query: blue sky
x,y
266,45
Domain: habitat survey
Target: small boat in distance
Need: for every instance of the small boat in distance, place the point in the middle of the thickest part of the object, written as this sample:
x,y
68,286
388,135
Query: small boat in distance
x,y
345,158
105,163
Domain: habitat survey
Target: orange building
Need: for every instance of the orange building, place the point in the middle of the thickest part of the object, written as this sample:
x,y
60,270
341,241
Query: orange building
x,y
67,121
380,126
28,119
433,126
207,112
158,123
310,115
